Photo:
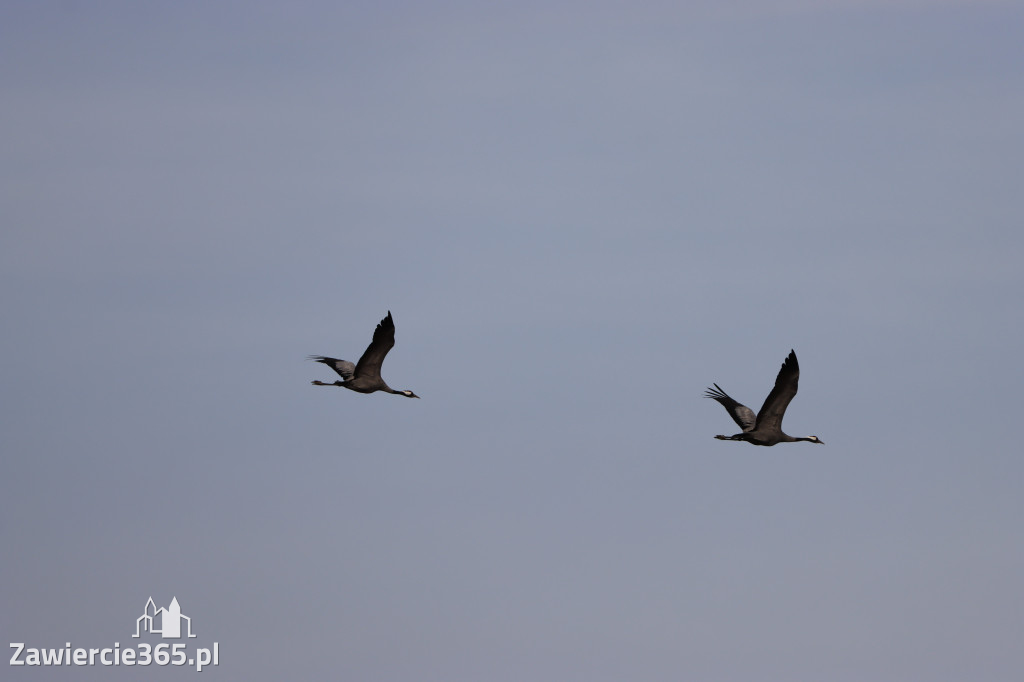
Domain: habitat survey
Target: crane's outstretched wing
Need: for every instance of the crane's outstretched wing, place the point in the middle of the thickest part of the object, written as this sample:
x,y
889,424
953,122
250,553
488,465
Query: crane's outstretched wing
x,y
740,413
373,357
342,367
777,401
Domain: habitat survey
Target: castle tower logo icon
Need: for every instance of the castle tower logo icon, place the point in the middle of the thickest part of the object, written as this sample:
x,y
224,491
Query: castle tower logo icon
x,y
165,622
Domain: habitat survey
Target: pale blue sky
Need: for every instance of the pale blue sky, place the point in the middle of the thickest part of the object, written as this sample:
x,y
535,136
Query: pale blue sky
x,y
580,215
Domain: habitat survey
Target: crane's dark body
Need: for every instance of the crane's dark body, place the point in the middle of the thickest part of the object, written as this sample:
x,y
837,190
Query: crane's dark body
x,y
364,376
765,428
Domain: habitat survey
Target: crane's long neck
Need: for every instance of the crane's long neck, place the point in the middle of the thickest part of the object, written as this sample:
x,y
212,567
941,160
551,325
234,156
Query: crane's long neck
x,y
806,439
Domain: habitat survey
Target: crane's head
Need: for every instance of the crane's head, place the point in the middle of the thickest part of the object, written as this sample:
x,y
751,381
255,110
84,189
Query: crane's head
x,y
814,439
407,394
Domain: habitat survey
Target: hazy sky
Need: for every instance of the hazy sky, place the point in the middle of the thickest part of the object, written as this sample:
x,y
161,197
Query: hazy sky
x,y
580,215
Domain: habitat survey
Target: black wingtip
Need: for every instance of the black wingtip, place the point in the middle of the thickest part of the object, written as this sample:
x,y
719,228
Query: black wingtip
x,y
715,394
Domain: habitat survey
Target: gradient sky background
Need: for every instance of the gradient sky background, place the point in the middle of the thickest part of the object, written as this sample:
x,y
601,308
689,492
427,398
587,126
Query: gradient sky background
x,y
580,215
